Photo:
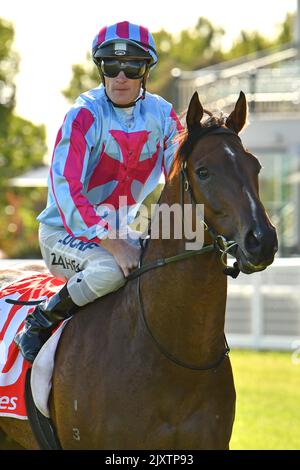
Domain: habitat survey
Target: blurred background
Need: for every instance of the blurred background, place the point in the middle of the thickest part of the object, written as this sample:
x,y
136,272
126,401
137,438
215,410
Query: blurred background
x,y
217,48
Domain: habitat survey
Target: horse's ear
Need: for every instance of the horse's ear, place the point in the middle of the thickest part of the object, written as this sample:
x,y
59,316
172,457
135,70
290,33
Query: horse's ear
x,y
237,119
195,112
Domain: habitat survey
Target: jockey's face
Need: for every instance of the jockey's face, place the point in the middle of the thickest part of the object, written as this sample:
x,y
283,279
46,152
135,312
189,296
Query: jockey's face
x,y
122,90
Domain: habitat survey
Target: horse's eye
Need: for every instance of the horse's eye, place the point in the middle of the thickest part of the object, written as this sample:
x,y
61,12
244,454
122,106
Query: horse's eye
x,y
202,172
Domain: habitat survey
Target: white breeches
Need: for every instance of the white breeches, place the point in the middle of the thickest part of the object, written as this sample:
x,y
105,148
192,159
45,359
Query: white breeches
x,y
89,269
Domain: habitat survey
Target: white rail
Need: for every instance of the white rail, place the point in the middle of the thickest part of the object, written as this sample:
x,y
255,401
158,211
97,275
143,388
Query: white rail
x,y
263,309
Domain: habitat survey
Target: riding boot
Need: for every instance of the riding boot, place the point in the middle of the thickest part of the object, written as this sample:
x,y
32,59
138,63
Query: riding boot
x,y
39,325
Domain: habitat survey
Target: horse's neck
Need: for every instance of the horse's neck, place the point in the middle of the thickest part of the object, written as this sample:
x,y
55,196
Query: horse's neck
x,y
170,196
185,301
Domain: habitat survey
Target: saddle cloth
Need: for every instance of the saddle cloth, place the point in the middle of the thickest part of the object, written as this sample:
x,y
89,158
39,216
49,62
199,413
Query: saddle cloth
x,y
13,366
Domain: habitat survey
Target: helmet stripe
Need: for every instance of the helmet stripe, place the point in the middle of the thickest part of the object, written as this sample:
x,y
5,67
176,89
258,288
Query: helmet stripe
x,y
144,35
123,30
101,35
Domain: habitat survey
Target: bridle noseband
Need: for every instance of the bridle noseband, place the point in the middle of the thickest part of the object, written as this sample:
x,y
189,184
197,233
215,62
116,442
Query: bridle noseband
x,y
220,244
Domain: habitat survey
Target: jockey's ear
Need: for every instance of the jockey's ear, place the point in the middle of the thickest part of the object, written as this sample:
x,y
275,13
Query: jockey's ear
x,y
195,112
237,119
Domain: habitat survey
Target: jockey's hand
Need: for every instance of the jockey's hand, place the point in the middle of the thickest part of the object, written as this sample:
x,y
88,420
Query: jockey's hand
x,y
126,255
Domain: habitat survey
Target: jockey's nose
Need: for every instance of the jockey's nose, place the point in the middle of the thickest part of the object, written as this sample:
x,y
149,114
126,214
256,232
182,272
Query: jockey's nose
x,y
121,75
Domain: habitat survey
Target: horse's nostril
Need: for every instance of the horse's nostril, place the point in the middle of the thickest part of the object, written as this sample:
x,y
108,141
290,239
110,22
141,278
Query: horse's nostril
x,y
252,243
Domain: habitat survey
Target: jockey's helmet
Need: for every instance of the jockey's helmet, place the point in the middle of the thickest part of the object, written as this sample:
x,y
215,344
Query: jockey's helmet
x,y
124,40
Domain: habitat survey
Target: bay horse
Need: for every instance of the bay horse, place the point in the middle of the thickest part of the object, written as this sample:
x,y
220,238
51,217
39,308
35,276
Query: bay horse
x,y
147,367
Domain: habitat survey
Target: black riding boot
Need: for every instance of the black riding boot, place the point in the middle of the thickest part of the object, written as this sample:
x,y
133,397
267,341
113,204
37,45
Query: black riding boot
x,y
39,325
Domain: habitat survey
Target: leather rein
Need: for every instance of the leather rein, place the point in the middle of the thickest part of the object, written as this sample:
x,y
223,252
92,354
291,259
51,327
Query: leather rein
x,y
220,245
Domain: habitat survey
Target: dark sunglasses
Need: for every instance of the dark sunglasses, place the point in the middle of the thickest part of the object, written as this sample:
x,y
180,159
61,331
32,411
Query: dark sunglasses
x,y
132,68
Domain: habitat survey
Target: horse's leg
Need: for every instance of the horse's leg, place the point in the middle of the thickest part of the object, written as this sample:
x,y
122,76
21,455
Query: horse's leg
x,y
19,431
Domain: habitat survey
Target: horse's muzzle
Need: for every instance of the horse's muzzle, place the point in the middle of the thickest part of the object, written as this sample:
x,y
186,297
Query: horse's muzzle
x,y
258,250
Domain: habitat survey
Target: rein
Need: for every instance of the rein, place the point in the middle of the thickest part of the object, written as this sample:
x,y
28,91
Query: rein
x,y
162,262
220,244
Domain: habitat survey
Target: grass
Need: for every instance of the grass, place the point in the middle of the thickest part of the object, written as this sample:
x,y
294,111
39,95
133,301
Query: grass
x,y
268,401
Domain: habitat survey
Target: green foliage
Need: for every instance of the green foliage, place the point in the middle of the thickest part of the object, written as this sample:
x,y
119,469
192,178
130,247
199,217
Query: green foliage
x,y
198,47
9,62
85,77
22,146
286,29
248,43
19,224
191,49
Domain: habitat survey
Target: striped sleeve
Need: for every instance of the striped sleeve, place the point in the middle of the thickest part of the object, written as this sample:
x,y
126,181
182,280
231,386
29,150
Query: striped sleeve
x,y
70,157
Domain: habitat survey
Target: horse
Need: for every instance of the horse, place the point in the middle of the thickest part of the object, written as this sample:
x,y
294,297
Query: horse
x,y
147,366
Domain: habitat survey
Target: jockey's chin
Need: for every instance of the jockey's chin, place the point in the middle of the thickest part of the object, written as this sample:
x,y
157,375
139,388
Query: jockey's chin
x,y
122,90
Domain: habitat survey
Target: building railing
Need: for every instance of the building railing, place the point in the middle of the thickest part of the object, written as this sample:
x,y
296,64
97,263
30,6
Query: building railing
x,y
263,309
271,83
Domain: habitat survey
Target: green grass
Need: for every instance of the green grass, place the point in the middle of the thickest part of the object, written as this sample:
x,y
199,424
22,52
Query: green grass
x,y
268,401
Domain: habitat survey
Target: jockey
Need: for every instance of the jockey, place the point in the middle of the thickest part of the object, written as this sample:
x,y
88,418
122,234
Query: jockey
x,y
114,144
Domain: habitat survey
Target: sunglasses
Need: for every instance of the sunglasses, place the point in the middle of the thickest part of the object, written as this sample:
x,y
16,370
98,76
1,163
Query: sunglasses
x,y
132,69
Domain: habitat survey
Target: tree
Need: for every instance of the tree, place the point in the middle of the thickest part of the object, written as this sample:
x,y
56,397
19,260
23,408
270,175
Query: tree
x,y
286,29
9,62
85,76
199,46
192,49
252,41
22,146
248,42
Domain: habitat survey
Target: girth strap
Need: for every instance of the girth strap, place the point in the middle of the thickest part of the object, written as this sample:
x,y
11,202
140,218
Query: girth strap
x,y
42,427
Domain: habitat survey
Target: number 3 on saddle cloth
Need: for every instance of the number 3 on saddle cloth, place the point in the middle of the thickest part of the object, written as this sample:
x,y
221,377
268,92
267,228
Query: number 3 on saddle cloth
x,y
13,311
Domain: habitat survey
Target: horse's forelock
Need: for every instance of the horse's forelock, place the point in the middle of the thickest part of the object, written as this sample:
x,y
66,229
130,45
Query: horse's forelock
x,y
186,140
213,119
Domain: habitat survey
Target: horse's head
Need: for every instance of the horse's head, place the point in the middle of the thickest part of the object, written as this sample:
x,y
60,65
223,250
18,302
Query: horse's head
x,y
223,176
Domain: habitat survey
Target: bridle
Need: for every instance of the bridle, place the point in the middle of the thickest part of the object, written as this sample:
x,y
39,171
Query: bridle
x,y
220,244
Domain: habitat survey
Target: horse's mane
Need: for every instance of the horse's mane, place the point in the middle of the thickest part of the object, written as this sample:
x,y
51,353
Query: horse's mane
x,y
186,140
